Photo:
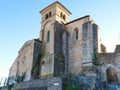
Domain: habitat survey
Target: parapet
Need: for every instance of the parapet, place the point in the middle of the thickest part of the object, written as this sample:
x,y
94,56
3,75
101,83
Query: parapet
x,y
117,49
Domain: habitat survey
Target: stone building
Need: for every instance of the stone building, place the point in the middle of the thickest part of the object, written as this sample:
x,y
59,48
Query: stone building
x,y
64,47
67,45
27,56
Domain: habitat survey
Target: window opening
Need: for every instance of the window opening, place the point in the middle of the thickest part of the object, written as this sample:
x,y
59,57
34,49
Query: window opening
x,y
48,36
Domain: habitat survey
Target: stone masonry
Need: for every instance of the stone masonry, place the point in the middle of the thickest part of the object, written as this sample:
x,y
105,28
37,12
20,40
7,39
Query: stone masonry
x,y
24,62
110,60
65,48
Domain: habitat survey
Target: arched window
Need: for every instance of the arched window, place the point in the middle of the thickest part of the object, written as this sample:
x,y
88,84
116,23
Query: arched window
x,y
76,33
64,17
49,14
61,14
46,16
48,36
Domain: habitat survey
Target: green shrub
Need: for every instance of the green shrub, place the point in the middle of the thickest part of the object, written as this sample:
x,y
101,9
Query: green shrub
x,y
96,58
10,86
72,88
70,82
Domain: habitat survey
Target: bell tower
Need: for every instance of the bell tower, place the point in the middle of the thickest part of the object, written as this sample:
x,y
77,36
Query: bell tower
x,y
51,14
55,12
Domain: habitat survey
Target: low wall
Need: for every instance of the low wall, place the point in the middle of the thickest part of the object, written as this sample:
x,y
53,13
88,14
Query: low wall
x,y
40,84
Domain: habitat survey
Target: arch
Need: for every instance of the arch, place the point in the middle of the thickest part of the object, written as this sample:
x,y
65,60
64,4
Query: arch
x,y
64,17
47,24
61,14
111,75
76,33
46,16
50,14
45,27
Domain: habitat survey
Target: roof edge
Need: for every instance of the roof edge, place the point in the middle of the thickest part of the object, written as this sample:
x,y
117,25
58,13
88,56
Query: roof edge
x,y
54,3
77,19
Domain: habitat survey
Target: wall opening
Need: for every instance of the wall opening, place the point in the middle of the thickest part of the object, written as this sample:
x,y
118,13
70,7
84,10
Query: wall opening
x,y
49,14
61,14
64,17
76,33
48,36
111,75
46,16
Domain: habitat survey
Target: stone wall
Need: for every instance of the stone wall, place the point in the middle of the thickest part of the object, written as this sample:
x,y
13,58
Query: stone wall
x,y
75,45
103,49
65,50
47,66
57,38
13,71
81,50
23,62
36,59
48,46
90,42
28,55
40,84
87,44
90,83
96,37
51,66
110,60
58,59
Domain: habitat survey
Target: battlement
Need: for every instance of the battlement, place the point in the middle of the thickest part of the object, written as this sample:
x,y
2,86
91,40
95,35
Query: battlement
x,y
117,49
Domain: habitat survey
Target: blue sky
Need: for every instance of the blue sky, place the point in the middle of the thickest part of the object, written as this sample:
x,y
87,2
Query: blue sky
x,y
20,21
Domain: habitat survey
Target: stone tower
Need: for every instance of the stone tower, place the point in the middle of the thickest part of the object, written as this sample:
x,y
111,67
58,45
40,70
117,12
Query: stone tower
x,y
51,33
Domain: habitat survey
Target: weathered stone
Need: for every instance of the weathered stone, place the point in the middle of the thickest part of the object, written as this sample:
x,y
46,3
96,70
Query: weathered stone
x,y
65,47
112,87
103,48
26,61
42,84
